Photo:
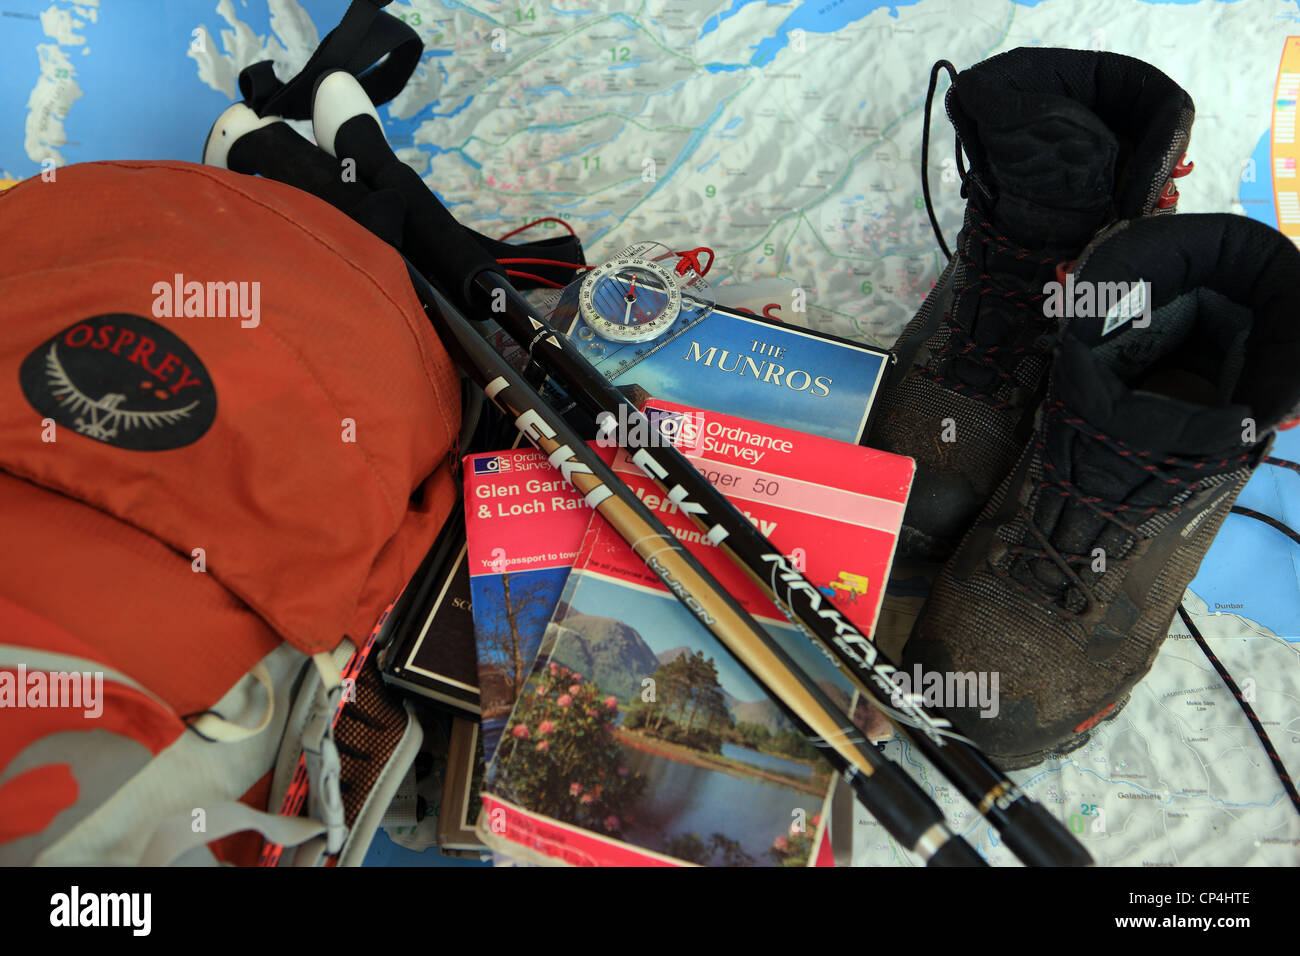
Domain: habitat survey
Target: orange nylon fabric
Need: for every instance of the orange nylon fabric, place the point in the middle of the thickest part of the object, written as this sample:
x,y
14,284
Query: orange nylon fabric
x,y
324,473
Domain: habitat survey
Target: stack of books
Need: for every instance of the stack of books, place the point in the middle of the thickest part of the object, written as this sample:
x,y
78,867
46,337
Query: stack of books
x,y
598,722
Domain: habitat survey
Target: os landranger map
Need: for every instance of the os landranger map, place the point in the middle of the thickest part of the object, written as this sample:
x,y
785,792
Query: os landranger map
x,y
785,136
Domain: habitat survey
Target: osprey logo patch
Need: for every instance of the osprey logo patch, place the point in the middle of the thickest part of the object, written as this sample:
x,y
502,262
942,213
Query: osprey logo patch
x,y
123,380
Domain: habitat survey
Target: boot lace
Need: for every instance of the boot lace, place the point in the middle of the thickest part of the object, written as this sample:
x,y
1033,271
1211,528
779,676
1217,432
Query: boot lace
x,y
1181,474
925,152
1036,338
981,281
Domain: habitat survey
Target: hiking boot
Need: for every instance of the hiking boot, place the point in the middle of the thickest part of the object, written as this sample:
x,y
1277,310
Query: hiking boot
x,y
1156,413
1061,143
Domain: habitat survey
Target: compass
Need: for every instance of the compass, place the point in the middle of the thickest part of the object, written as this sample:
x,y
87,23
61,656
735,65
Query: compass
x,y
631,306
629,299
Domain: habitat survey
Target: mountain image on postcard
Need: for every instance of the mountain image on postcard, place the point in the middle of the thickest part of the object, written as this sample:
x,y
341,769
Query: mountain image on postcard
x,y
645,733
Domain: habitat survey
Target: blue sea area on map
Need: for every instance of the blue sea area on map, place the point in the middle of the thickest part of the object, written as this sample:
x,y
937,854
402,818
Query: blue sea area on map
x,y
715,21
550,88
1253,569
825,16
1257,195
1034,3
169,112
21,36
822,17
402,129
566,13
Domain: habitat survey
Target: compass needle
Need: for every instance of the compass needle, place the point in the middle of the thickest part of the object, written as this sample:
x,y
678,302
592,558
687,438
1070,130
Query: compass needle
x,y
631,299
631,306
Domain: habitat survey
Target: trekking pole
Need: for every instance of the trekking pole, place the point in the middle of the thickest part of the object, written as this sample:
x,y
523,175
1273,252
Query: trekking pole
x,y
893,798
1028,829
347,126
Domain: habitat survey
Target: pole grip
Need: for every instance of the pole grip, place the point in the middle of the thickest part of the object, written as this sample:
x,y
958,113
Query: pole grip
x,y
435,243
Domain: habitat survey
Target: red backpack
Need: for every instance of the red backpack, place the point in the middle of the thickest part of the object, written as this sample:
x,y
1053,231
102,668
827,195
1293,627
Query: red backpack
x,y
227,439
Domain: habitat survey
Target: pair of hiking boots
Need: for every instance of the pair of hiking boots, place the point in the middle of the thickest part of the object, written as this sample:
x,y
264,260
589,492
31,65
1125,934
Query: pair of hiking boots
x,y
1086,390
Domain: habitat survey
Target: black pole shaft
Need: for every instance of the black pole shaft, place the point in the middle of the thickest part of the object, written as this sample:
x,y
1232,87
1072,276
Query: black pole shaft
x,y
905,810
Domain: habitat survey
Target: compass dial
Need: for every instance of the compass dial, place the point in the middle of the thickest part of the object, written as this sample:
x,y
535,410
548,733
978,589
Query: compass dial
x,y
629,300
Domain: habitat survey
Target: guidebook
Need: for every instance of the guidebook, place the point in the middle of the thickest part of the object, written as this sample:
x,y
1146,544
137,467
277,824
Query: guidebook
x,y
524,524
432,653
637,738
747,365
460,788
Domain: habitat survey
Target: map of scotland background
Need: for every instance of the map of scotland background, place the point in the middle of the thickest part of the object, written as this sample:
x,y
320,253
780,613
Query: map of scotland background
x,y
786,136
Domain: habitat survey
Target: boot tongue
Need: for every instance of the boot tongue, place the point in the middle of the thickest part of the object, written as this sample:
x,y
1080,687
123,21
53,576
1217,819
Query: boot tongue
x,y
1145,422
1046,162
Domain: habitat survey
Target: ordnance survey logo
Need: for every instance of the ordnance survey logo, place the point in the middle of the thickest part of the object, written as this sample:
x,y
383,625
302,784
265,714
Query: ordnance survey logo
x,y
492,466
123,380
655,428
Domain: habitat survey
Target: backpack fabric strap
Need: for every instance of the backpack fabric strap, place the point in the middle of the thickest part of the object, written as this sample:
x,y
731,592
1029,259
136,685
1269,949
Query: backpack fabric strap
x,y
189,774
176,835
217,728
365,36
37,659
321,753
